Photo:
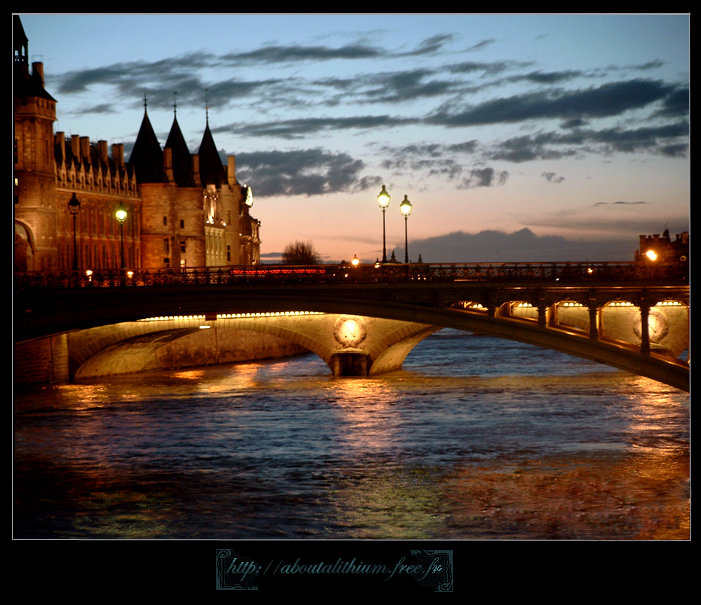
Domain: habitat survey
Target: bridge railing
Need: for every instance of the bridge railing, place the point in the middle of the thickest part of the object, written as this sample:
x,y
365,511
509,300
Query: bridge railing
x,y
363,273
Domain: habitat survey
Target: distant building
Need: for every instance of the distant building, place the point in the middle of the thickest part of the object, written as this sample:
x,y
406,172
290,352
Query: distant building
x,y
183,210
663,249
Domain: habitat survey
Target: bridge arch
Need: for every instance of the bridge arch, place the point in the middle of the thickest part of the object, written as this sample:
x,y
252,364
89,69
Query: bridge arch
x,y
488,308
154,343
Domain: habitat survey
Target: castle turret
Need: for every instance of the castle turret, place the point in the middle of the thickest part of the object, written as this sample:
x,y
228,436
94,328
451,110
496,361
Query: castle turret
x,y
34,173
146,157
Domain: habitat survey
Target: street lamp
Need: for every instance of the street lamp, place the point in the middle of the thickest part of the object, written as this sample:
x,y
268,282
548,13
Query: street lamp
x,y
121,215
383,201
405,207
74,208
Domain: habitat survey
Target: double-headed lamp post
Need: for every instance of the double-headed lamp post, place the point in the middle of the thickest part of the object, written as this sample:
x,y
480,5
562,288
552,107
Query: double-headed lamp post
x,y
74,208
121,215
383,200
405,207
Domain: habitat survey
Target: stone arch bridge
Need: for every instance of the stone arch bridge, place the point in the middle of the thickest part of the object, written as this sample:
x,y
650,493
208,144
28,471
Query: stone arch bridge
x,y
366,319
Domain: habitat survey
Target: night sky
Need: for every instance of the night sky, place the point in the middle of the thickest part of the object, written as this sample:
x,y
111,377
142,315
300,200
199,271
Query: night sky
x,y
515,137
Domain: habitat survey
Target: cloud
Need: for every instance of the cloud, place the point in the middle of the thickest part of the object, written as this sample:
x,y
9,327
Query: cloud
x,y
300,127
551,177
519,246
676,104
302,172
296,53
550,145
484,177
620,203
427,158
481,45
538,77
610,99
406,86
653,113
609,225
486,67
431,45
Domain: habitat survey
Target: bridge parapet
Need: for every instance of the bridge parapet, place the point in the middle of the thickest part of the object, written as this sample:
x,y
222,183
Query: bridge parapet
x,y
594,314
546,273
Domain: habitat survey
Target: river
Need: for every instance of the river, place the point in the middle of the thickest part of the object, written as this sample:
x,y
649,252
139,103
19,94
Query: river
x,y
475,438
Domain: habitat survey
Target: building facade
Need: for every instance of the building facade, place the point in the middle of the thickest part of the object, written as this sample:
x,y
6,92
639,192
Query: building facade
x,y
654,248
182,209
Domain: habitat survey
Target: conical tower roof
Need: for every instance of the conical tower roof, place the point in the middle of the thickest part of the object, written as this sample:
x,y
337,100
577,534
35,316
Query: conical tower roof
x,y
25,84
182,160
211,167
147,156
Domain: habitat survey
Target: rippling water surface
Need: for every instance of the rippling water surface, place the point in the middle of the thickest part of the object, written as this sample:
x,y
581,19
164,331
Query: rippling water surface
x,y
474,438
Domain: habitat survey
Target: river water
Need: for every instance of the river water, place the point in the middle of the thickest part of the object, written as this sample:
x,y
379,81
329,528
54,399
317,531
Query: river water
x,y
475,438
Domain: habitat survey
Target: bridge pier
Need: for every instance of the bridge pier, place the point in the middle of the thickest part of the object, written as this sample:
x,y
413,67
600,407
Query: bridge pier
x,y
645,322
350,363
593,317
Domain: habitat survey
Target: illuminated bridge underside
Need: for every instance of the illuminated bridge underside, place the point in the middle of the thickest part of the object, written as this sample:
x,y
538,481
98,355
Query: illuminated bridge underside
x,y
599,322
382,344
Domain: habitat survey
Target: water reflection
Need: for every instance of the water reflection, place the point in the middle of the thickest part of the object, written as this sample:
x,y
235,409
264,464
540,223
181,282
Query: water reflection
x,y
621,497
282,449
365,419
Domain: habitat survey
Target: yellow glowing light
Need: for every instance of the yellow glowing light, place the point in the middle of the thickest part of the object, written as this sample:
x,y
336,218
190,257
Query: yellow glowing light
x,y
121,213
651,254
383,198
232,315
355,262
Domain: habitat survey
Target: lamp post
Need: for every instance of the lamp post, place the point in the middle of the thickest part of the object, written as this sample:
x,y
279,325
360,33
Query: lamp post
x,y
405,207
74,208
121,215
383,200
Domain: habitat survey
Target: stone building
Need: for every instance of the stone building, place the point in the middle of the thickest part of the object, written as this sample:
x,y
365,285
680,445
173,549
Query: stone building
x,y
663,249
182,209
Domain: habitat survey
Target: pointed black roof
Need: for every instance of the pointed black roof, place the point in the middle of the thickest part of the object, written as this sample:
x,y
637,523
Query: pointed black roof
x,y
19,38
24,83
147,156
211,167
182,160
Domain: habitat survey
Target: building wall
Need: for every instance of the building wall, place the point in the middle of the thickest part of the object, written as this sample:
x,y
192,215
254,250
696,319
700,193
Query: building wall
x,y
35,203
190,227
166,225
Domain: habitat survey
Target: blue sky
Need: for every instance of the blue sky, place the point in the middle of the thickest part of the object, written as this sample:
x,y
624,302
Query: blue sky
x,y
515,137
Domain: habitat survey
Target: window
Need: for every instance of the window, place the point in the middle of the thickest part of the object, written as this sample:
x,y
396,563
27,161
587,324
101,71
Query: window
x,y
165,221
182,224
183,245
166,245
